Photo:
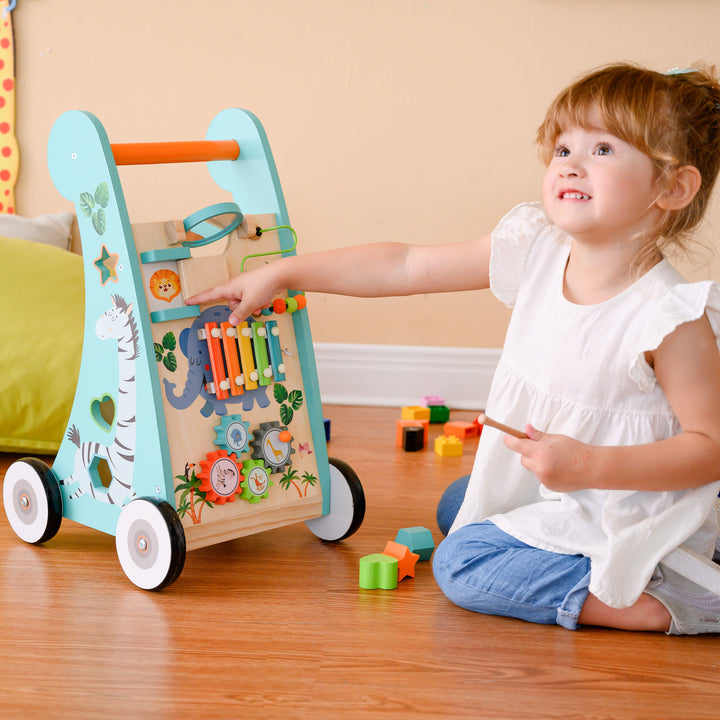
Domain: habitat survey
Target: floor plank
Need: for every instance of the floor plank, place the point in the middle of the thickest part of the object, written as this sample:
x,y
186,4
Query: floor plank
x,y
275,626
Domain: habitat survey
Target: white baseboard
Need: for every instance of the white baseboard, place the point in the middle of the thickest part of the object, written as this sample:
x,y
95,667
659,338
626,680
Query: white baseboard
x,y
399,375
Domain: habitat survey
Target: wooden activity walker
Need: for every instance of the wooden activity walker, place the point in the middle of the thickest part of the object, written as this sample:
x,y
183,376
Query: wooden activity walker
x,y
185,431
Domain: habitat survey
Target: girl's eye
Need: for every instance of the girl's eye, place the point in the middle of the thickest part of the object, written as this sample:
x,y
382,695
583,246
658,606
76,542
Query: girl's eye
x,y
562,151
603,149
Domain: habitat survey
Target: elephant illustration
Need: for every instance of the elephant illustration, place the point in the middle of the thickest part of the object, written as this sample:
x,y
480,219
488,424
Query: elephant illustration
x,y
196,351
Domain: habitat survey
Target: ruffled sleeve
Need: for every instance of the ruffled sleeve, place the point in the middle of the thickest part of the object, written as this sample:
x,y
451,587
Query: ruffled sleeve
x,y
511,242
677,304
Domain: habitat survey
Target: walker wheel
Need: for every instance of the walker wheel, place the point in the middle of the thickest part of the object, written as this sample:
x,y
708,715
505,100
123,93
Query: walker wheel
x,y
150,543
347,505
32,499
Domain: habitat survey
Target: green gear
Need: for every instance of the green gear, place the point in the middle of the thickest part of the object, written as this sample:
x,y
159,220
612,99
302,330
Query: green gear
x,y
256,481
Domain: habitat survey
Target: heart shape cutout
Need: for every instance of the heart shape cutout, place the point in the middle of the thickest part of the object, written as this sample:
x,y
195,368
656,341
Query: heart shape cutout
x,y
102,410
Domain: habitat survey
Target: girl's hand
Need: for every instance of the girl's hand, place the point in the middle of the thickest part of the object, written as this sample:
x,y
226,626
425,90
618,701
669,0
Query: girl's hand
x,y
560,463
246,294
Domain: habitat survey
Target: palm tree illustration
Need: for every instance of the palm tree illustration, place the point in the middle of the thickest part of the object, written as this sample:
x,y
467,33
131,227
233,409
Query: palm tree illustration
x,y
308,480
289,478
191,495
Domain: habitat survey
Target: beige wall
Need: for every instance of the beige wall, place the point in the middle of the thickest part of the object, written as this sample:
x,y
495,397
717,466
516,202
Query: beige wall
x,y
403,119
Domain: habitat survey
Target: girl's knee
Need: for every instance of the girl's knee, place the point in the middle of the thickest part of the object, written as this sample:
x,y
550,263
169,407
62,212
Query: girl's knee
x,y
450,503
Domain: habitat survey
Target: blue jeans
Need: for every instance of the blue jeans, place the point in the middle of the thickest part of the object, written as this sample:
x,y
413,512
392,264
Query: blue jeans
x,y
481,568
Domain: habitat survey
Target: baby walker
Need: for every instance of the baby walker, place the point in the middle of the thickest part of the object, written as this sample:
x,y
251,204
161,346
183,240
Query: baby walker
x,y
185,431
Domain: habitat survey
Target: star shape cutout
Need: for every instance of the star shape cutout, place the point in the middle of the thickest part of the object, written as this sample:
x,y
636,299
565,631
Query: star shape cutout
x,y
106,265
406,559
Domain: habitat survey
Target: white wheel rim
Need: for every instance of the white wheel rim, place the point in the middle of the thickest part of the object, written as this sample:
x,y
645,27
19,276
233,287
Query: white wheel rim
x,y
143,544
337,522
26,502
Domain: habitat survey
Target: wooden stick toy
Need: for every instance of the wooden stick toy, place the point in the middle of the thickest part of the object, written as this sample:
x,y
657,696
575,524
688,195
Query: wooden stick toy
x,y
483,419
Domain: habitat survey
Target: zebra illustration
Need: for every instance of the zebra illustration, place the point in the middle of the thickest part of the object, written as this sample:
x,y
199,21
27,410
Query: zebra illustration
x,y
117,323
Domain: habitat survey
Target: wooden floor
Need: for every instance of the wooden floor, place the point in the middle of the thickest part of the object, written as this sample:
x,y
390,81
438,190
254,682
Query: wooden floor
x,y
275,626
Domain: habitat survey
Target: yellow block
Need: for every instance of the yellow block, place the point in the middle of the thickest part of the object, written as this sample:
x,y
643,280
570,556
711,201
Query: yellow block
x,y
415,412
448,446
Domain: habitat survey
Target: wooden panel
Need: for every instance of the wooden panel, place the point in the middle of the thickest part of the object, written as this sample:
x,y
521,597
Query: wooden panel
x,y
197,420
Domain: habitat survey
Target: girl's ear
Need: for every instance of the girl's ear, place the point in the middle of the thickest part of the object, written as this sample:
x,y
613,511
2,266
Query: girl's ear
x,y
681,189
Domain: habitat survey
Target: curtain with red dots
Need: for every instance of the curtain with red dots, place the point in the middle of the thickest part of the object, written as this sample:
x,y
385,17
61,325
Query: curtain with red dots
x,y
9,157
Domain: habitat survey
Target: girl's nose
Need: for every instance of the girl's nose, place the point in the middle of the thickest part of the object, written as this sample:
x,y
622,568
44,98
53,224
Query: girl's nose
x,y
571,168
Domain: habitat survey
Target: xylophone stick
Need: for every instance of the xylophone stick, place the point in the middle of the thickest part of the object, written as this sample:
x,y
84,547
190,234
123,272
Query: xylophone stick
x,y
483,419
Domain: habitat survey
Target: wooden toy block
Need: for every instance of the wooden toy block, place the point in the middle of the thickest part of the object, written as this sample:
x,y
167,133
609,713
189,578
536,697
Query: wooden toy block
x,y
439,413
401,424
478,425
418,540
460,429
378,572
413,438
430,400
415,412
448,446
405,557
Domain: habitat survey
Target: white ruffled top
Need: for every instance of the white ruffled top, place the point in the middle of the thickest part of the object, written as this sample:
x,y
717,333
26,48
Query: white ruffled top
x,y
580,370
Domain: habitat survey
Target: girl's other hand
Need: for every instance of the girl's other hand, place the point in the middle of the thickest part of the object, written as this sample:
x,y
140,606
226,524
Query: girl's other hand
x,y
560,463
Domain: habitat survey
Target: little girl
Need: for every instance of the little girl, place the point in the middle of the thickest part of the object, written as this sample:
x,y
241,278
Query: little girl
x,y
604,514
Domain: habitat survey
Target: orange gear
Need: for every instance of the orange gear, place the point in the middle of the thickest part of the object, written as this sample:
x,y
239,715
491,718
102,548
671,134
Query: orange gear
x,y
220,477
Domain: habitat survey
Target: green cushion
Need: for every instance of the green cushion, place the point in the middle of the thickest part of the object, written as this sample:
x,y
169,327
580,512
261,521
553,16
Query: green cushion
x,y
42,307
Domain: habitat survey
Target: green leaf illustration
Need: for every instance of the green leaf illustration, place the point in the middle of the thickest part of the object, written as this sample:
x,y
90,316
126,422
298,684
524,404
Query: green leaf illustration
x,y
158,351
280,393
170,362
169,341
98,221
87,203
102,195
295,399
286,414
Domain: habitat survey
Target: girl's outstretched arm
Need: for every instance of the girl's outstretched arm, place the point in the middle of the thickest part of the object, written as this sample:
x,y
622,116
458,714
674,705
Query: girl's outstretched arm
x,y
687,366
375,270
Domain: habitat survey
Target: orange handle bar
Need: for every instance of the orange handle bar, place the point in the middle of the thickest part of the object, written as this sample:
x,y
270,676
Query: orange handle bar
x,y
174,152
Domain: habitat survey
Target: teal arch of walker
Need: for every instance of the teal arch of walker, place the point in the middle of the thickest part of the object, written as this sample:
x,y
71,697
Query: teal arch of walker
x,y
253,181
79,159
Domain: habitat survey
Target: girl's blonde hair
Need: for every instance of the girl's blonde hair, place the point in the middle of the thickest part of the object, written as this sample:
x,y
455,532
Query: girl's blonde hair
x,y
673,118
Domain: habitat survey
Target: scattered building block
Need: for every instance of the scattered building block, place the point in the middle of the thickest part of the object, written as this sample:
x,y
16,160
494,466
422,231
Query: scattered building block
x,y
415,412
460,429
405,557
378,571
418,540
430,400
413,438
478,425
448,446
439,413
424,424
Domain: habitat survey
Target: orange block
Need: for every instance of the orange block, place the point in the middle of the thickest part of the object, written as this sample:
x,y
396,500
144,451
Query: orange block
x,y
460,429
424,424
406,559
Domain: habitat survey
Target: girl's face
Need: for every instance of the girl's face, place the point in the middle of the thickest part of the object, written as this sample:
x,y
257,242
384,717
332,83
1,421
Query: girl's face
x,y
598,187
